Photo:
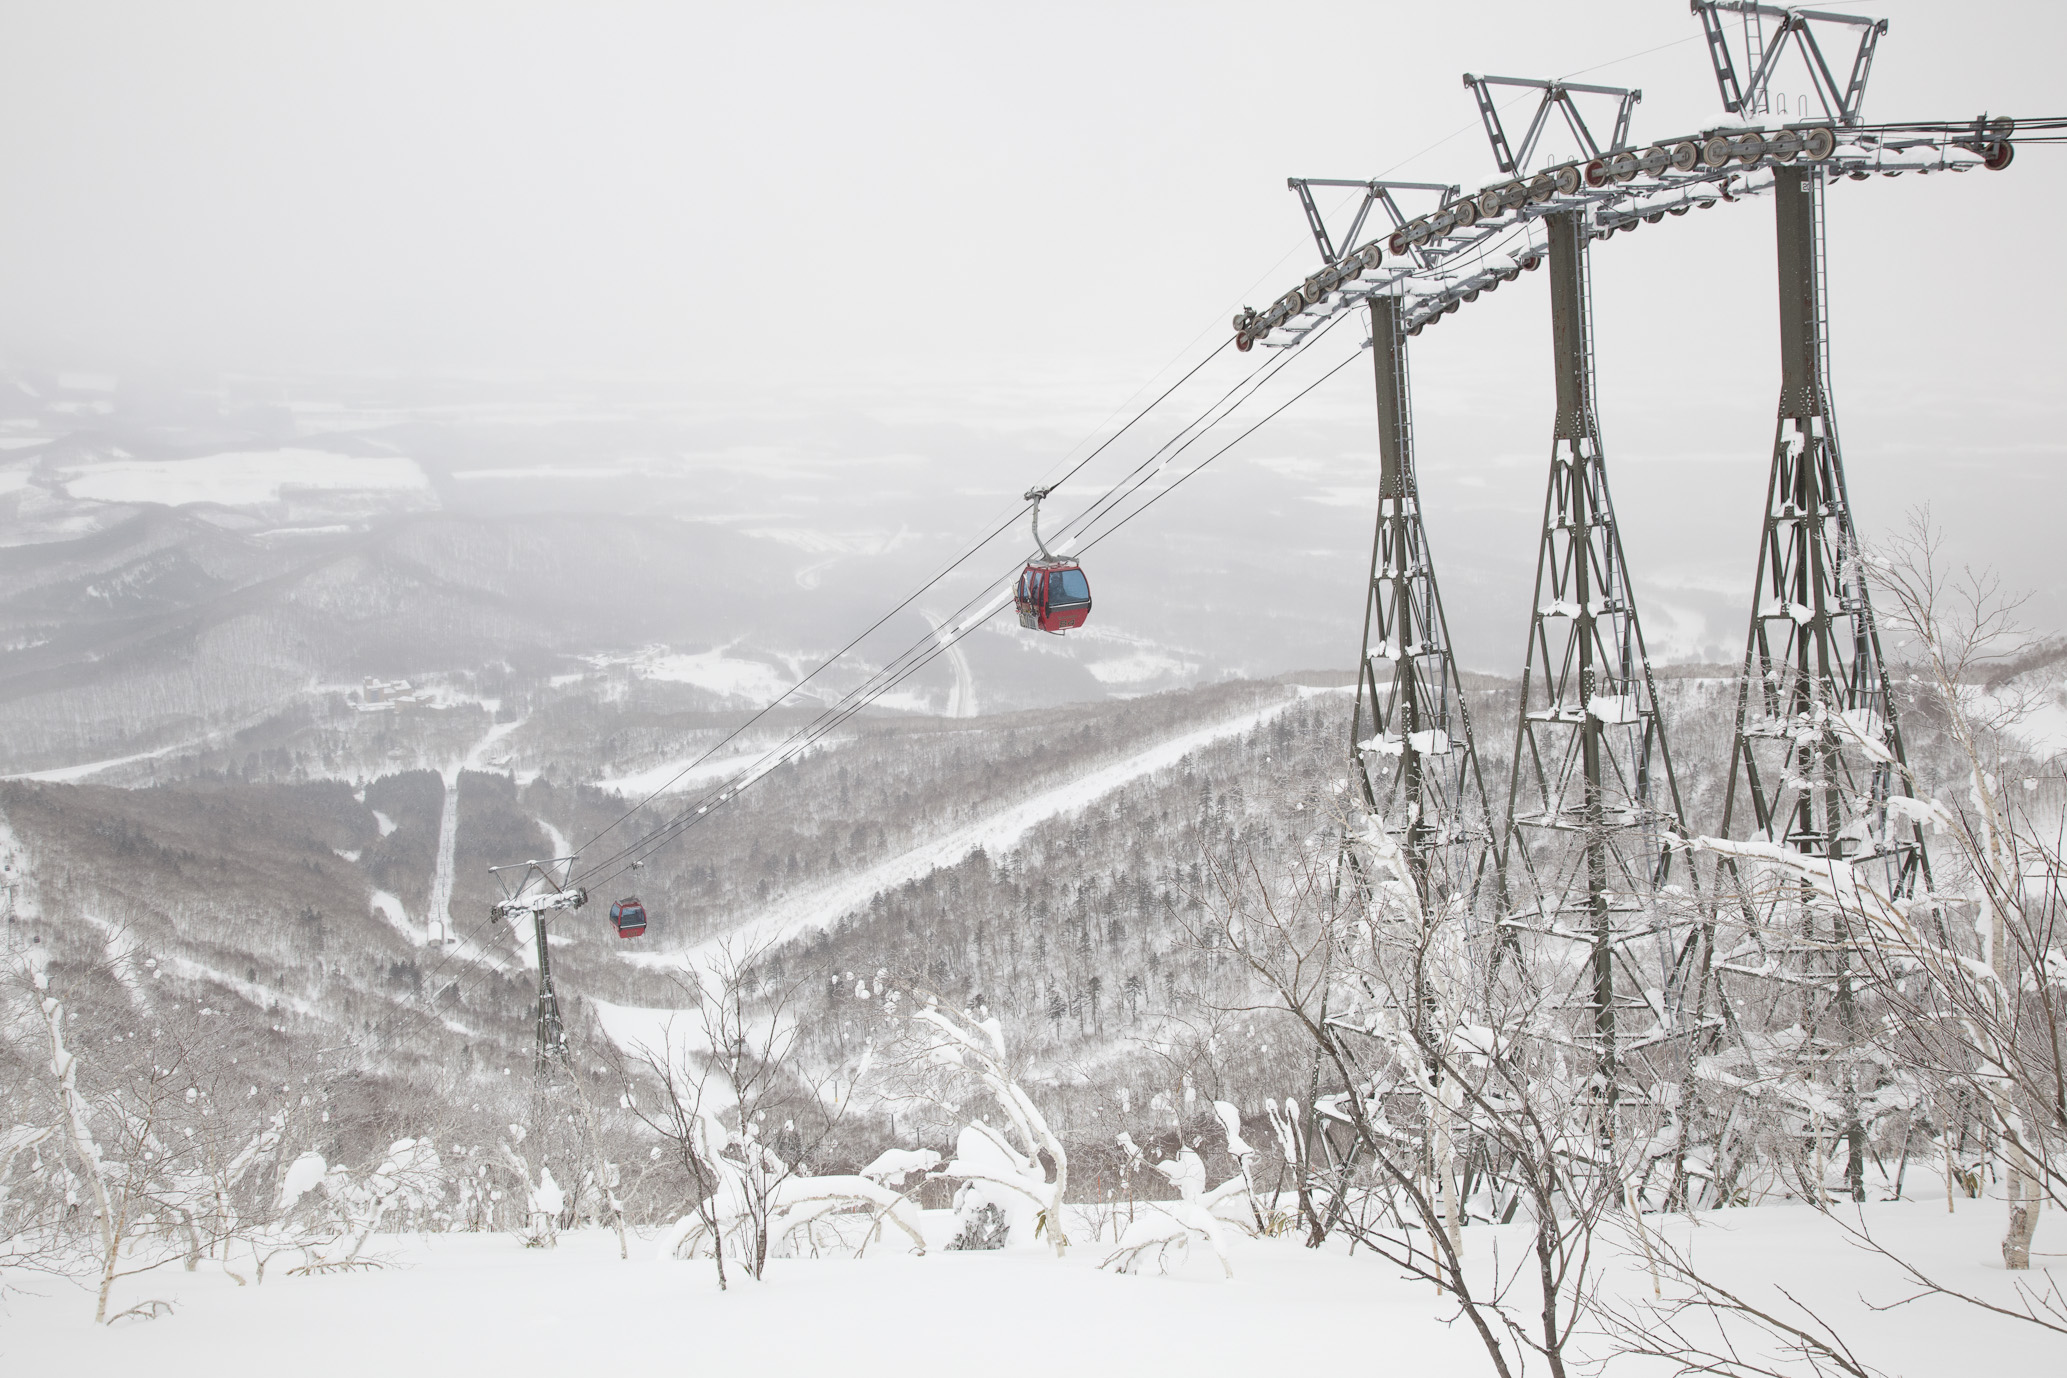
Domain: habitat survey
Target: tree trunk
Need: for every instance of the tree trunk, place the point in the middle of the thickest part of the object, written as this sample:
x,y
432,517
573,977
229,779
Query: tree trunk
x,y
1445,1165
107,1284
2023,1193
186,1220
1546,1278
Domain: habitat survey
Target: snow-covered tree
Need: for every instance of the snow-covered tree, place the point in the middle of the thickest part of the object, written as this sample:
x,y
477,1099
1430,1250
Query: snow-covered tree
x,y
1018,1166
743,1115
1434,1030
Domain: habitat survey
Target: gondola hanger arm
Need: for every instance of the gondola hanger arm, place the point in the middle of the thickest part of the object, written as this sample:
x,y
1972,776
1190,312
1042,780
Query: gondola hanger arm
x,y
1034,496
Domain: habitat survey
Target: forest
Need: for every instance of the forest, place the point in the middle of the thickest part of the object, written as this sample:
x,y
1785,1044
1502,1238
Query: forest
x,y
238,1027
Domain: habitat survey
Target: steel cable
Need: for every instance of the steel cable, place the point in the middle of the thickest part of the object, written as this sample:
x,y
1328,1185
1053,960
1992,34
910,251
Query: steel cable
x,y
932,646
956,563
894,671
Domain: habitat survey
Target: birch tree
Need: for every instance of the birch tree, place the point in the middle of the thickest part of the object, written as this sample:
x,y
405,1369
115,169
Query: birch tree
x,y
744,1117
1988,1014
1425,1040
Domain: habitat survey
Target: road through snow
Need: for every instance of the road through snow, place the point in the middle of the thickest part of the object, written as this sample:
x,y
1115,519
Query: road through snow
x,y
961,700
438,912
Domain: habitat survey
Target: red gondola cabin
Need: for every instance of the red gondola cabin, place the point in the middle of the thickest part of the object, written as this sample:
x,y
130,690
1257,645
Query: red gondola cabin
x,y
630,917
1053,596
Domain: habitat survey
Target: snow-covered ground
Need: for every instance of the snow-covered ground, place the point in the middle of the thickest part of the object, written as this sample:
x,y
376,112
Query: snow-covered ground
x,y
389,906
240,478
717,672
72,775
2037,708
687,772
961,700
438,911
479,1304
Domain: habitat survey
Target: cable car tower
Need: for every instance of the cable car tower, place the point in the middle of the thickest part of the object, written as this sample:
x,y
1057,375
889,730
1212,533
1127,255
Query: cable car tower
x,y
1417,763
1818,747
1593,809
524,901
1817,750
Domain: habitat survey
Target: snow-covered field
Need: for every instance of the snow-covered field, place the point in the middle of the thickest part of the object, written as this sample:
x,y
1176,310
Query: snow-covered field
x,y
677,774
477,1304
719,673
240,478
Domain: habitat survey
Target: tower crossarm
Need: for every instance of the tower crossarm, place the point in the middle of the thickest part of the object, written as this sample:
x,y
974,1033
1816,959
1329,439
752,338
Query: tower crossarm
x,y
1557,96
1438,262
539,903
1794,28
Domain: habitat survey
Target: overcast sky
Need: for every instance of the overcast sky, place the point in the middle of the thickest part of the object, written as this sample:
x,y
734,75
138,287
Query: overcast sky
x,y
1012,217
777,189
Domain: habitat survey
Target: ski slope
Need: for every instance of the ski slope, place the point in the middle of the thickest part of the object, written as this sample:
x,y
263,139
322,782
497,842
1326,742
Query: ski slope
x,y
997,834
676,1035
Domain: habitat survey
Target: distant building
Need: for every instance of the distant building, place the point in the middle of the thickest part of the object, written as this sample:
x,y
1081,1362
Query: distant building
x,y
386,695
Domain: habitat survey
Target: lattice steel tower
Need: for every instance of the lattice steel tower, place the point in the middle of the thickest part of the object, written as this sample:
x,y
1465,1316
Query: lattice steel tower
x,y
1417,762
536,895
1417,767
1593,807
1818,742
1817,752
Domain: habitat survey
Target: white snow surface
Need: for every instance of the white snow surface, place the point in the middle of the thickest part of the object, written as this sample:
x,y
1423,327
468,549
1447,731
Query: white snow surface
x,y
262,996
303,1175
389,907
240,478
482,1303
900,1164
718,673
67,775
961,699
671,1037
1137,668
687,772
437,914
561,847
2035,708
2044,728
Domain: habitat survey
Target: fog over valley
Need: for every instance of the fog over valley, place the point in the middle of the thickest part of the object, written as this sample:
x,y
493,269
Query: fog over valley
x,y
828,686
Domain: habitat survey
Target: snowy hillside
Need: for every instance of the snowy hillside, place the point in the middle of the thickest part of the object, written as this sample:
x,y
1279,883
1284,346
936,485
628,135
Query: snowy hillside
x,y
740,690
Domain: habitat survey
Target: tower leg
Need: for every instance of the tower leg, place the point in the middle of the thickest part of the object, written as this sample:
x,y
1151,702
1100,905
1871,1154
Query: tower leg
x,y
1818,739
1586,820
1417,764
552,1037
1817,751
1415,758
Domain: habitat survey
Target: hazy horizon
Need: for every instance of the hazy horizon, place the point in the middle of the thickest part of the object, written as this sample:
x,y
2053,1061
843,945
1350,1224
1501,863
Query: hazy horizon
x,y
874,272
